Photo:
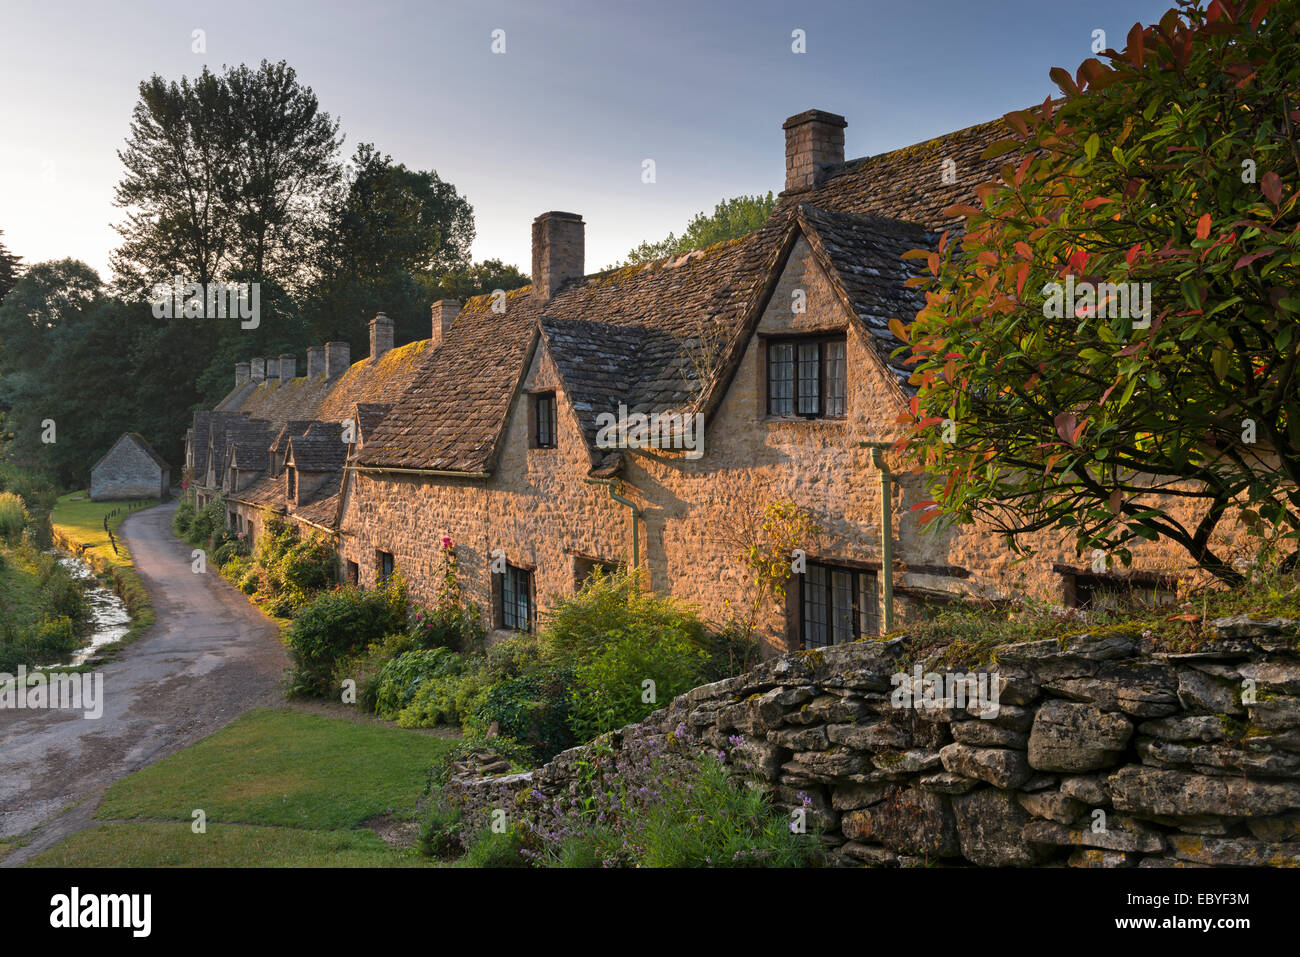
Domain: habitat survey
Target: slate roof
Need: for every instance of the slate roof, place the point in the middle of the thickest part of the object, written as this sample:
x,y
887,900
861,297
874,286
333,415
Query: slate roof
x,y
320,449
139,441
264,492
322,508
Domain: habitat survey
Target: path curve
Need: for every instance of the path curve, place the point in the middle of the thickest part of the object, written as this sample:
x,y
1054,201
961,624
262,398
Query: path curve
x,y
210,657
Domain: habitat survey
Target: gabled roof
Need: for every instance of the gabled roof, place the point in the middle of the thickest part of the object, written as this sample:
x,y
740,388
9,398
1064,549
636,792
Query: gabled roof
x,y
291,428
137,440
320,449
368,415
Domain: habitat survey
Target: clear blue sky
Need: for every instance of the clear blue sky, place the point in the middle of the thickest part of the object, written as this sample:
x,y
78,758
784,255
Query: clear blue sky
x,y
563,120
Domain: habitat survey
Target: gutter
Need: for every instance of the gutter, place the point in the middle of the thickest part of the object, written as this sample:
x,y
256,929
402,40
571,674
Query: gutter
x,y
438,472
886,532
611,484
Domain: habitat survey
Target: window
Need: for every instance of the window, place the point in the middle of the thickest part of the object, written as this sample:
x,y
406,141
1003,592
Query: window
x,y
291,484
584,568
544,416
516,599
837,604
353,573
1101,592
385,567
807,377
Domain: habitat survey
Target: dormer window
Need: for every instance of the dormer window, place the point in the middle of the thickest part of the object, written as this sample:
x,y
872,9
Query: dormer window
x,y
807,377
544,420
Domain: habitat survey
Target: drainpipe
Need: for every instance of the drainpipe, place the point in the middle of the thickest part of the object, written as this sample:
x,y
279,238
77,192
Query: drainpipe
x,y
611,484
886,532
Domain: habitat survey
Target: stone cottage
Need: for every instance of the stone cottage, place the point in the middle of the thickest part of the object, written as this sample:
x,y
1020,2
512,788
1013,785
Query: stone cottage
x,y
130,469
648,415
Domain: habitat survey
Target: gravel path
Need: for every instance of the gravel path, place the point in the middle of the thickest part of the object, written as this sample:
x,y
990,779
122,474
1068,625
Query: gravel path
x,y
210,657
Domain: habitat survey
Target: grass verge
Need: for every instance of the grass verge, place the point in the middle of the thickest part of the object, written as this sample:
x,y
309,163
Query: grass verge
x,y
278,787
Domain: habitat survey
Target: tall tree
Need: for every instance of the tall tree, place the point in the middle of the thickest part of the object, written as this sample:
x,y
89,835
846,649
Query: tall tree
x,y
1113,349
389,233
224,174
10,269
730,219
478,278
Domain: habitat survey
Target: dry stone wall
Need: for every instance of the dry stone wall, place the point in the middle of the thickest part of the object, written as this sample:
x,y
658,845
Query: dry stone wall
x,y
1097,752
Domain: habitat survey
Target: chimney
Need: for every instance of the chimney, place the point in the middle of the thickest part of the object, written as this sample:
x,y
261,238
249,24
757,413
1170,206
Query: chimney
x,y
288,367
381,336
315,361
557,251
444,314
242,373
272,368
258,367
813,139
338,358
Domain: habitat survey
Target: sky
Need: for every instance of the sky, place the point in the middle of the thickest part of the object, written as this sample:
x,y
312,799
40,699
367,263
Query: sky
x,y
564,119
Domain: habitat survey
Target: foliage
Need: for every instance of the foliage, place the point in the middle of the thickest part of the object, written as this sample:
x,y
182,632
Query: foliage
x,y
208,522
451,622
13,517
440,831
338,624
534,710
497,849
610,687
765,541
1176,168
401,678
730,219
10,268
183,517
479,279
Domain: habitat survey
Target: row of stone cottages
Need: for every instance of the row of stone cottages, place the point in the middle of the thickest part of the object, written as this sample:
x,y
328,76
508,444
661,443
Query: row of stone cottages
x,y
495,432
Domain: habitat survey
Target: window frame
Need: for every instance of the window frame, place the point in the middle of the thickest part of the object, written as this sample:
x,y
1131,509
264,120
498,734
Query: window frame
x,y
545,400
383,576
516,572
821,340
857,611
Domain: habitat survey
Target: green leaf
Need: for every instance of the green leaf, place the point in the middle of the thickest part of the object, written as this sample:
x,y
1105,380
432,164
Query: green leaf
x,y
1091,146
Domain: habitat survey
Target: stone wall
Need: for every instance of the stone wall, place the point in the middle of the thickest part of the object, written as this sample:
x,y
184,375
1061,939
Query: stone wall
x,y
1103,751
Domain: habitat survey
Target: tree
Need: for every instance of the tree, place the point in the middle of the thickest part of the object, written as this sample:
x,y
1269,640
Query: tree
x,y
1154,405
224,174
730,219
387,234
10,269
479,278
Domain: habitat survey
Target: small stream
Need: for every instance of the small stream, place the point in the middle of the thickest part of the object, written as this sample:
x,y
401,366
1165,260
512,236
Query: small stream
x,y
109,620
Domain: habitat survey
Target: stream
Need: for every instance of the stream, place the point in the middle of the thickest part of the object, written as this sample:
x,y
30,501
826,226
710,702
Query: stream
x,y
109,619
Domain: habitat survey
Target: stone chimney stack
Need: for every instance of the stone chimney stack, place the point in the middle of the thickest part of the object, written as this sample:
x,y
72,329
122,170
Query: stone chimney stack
x,y
338,359
558,240
258,369
315,361
813,139
444,314
381,336
242,373
272,369
288,367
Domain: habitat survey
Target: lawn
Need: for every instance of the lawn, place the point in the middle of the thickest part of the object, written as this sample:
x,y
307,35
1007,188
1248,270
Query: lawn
x,y
279,787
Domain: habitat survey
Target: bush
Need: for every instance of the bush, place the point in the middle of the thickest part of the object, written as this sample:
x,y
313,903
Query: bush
x,y
440,832
454,626
207,523
533,709
13,517
231,549
308,565
497,849
447,699
183,518
401,678
337,625
366,667
580,625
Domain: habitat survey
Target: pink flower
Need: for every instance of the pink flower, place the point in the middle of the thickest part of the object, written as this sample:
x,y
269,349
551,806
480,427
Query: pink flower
x,y
446,542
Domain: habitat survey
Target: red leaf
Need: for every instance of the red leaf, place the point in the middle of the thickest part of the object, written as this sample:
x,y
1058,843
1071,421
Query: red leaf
x,y
1021,275
1135,40
1246,260
1116,501
1063,79
1097,201
1203,227
1131,256
1065,423
1024,249
1271,184
1260,13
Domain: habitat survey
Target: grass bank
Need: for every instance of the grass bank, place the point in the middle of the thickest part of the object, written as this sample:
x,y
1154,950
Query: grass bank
x,y
78,527
279,787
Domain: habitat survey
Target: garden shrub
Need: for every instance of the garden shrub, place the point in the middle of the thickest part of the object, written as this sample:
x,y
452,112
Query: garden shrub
x,y
497,849
236,547
402,677
207,523
336,625
183,518
366,667
448,699
533,709
440,831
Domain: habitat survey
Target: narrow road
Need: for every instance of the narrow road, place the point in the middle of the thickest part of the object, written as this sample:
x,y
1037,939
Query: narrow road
x,y
210,657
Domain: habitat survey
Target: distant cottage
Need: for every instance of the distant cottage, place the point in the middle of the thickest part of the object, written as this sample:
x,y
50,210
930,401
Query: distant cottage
x,y
130,469
490,432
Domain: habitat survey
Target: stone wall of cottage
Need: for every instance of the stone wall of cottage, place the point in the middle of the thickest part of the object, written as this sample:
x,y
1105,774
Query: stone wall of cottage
x,y
1100,752
539,511
128,472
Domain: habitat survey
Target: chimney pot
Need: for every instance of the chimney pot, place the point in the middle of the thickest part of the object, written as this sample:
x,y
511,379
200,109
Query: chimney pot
x,y
258,369
315,361
288,367
558,254
272,369
814,139
381,336
242,373
338,359
444,314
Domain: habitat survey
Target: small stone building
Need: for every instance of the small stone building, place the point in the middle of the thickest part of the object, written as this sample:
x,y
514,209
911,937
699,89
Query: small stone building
x,y
130,469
